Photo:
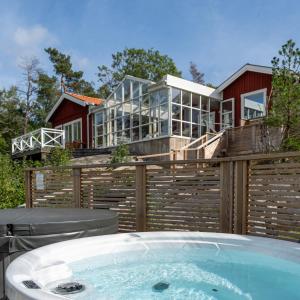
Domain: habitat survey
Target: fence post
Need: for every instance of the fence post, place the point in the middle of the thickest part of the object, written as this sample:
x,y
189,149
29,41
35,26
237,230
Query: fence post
x,y
241,197
226,205
28,188
140,182
76,173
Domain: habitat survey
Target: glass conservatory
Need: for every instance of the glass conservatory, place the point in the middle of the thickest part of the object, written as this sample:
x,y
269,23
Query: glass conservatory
x,y
140,110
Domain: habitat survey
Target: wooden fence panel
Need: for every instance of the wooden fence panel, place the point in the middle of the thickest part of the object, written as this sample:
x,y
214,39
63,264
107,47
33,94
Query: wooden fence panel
x,y
184,198
111,189
52,188
274,199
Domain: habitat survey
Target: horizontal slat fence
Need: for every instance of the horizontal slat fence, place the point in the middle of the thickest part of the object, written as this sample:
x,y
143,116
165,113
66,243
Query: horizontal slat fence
x,y
183,199
257,194
274,199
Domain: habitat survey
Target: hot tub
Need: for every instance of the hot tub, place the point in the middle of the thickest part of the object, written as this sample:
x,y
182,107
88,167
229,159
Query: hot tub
x,y
159,265
22,230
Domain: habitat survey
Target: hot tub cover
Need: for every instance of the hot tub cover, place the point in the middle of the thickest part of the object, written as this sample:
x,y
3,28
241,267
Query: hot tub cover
x,y
26,229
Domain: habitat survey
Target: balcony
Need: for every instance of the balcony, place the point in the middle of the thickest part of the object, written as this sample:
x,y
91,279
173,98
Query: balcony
x,y
38,141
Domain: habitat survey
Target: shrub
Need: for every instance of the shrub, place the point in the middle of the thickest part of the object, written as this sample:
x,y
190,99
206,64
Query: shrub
x,y
59,157
120,155
12,192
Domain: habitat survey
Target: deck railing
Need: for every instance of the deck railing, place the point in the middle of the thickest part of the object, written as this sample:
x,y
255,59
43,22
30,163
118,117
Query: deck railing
x,y
38,139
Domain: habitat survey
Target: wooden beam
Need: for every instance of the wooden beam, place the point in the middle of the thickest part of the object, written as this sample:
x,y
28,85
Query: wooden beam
x,y
178,162
241,197
140,182
28,188
76,173
226,204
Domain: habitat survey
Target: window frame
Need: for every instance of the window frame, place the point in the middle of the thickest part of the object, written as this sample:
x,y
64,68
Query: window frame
x,y
71,123
242,97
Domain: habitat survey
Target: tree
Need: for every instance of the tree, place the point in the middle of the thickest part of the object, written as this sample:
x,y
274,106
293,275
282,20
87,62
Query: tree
x,y
70,80
285,101
11,117
197,76
30,67
47,94
147,64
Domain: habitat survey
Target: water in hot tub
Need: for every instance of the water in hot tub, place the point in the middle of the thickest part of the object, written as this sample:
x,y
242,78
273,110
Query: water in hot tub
x,y
188,273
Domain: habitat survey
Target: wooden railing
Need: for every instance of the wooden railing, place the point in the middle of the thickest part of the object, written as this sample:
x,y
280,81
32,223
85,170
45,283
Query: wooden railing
x,y
257,194
38,139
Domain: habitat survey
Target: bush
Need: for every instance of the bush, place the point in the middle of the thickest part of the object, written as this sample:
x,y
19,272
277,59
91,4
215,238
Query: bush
x,y
59,157
120,155
12,192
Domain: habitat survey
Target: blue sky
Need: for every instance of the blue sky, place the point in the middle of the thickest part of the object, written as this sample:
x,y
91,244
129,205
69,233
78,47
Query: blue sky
x,y
219,36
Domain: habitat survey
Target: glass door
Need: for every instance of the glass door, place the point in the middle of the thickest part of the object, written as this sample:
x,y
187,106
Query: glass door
x,y
227,111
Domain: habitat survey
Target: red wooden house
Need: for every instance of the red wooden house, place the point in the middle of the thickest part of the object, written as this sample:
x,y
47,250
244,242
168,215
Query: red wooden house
x,y
71,113
156,117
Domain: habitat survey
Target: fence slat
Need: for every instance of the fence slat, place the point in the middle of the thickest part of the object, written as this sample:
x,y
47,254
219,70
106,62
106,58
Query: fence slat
x,y
226,204
28,188
77,187
141,198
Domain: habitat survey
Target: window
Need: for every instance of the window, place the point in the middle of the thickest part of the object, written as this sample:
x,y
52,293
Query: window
x,y
73,131
253,104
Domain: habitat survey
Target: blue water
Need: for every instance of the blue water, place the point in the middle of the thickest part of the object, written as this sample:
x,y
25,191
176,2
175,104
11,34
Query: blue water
x,y
191,272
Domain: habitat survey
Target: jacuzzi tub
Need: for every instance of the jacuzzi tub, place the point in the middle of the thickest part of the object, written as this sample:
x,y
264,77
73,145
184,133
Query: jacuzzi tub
x,y
159,265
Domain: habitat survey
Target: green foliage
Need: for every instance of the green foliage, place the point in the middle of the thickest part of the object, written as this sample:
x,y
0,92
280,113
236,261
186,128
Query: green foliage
x,y
120,154
11,182
47,94
147,64
70,79
59,157
285,105
11,118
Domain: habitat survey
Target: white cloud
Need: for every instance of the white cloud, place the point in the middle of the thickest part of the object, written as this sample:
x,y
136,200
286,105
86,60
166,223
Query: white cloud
x,y
30,37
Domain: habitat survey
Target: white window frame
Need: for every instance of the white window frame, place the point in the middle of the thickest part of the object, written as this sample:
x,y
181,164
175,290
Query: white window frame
x,y
264,91
72,122
232,111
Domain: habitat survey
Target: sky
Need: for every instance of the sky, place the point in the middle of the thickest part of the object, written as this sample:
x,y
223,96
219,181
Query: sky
x,y
219,36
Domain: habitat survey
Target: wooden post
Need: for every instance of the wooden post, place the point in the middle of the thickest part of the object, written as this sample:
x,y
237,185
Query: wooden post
x,y
28,189
226,205
140,182
76,172
241,197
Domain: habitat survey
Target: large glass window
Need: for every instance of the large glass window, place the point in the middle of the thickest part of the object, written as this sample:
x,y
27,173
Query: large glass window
x,y
193,115
134,114
253,104
73,131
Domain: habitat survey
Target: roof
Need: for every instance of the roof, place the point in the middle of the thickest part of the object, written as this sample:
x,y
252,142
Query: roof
x,y
76,98
190,86
242,70
90,100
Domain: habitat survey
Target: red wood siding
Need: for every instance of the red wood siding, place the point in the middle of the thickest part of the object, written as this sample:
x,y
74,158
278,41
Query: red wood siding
x,y
248,82
69,111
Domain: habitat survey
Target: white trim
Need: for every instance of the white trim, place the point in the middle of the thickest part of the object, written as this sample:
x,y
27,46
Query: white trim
x,y
264,91
60,100
242,70
190,86
72,122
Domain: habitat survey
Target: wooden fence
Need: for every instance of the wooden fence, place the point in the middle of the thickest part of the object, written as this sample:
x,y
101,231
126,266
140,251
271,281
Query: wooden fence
x,y
257,194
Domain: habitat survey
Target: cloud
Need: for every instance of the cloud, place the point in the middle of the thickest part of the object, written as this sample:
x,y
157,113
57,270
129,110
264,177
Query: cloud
x,y
31,37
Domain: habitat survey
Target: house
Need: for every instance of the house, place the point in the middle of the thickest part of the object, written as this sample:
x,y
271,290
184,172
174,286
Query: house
x,y
71,114
156,117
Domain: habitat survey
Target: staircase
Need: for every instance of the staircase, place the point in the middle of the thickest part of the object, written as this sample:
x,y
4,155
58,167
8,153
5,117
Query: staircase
x,y
207,146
